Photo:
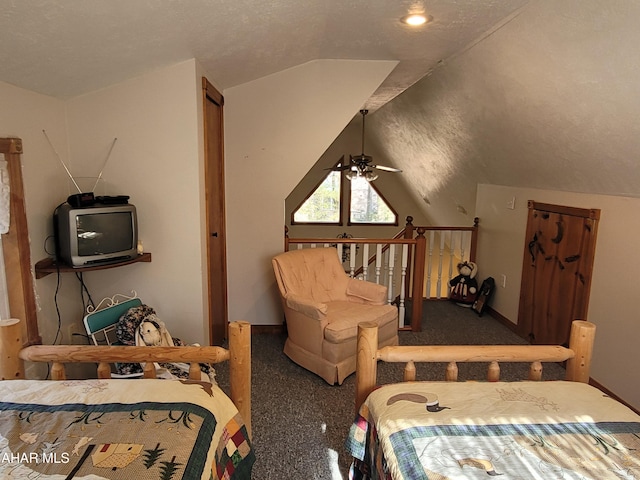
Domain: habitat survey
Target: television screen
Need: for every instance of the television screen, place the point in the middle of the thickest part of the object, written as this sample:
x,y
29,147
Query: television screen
x,y
96,234
104,233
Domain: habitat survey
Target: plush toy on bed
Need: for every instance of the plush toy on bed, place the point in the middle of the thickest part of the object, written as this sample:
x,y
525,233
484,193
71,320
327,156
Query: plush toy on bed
x,y
464,286
141,326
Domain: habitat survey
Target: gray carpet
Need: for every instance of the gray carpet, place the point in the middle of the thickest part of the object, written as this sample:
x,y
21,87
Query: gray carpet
x,y
300,422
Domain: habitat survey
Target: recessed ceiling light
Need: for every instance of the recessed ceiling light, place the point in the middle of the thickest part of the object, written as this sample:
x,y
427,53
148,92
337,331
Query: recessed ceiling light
x,y
415,19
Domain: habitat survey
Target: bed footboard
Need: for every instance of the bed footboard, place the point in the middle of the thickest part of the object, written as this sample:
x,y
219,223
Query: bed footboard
x,y
578,357
238,355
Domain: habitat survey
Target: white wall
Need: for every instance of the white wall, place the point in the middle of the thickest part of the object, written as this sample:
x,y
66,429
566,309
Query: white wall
x,y
501,245
276,128
157,162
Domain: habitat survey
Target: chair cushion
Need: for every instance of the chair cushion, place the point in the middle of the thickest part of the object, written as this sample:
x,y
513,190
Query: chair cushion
x,y
314,273
343,318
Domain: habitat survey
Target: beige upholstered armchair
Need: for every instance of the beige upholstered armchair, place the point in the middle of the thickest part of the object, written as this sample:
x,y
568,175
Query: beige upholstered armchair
x,y
323,307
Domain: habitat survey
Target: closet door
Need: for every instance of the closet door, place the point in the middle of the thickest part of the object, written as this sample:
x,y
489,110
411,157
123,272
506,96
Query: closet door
x,y
215,199
556,273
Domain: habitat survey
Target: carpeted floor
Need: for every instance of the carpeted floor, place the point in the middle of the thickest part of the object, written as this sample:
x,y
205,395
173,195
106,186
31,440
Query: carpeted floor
x,y
300,422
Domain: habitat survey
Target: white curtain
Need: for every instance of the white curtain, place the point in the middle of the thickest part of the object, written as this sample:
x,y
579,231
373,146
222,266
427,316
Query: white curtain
x,y
4,228
4,198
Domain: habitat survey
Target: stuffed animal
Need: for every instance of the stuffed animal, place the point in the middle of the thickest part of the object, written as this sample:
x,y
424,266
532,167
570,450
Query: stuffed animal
x,y
152,332
141,326
464,286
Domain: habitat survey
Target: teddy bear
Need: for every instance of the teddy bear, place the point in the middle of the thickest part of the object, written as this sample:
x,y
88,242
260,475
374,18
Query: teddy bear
x,y
464,286
140,326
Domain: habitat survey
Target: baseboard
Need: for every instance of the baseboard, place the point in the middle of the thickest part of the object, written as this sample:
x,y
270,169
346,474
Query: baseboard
x,y
267,329
503,320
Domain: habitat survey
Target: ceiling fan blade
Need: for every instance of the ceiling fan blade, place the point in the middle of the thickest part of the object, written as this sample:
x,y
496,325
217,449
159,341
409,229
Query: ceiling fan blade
x,y
386,169
339,168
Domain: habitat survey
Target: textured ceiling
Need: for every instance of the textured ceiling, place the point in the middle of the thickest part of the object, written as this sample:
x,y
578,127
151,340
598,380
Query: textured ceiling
x,y
65,48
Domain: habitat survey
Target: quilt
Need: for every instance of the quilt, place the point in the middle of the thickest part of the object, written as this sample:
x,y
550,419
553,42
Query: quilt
x,y
139,429
469,430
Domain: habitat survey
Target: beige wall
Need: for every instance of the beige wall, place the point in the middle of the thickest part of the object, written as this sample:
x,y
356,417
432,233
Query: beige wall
x,y
500,249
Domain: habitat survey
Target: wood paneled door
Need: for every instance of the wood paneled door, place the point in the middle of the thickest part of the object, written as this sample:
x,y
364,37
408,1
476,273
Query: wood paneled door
x,y
556,272
215,200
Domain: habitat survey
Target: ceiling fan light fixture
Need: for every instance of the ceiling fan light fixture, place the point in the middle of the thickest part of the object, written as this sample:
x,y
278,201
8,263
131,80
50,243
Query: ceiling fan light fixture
x,y
370,176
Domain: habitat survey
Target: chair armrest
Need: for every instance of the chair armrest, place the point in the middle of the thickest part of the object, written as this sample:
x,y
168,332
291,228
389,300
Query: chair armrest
x,y
363,291
306,306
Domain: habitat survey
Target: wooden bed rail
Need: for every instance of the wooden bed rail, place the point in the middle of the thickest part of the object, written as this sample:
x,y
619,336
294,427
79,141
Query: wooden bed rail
x,y
238,355
578,357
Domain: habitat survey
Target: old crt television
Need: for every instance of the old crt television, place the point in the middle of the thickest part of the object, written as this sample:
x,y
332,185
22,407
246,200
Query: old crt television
x,y
95,234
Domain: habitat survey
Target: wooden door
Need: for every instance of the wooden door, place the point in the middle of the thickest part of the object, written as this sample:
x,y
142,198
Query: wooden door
x,y
215,205
556,273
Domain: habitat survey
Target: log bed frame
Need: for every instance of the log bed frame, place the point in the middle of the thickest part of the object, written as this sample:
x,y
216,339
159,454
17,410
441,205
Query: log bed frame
x,y
238,354
577,355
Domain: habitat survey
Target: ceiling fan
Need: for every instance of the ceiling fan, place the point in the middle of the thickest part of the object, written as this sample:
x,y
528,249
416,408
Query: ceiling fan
x,y
360,165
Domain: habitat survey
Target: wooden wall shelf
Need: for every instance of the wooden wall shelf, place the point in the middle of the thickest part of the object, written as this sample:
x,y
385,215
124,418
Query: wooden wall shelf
x,y
48,265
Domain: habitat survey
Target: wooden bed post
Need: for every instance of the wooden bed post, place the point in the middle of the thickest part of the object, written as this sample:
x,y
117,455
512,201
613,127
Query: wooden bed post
x,y
16,249
240,369
366,361
581,342
11,365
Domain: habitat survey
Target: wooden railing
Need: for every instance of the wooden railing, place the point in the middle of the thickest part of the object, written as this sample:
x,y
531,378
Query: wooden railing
x,y
412,264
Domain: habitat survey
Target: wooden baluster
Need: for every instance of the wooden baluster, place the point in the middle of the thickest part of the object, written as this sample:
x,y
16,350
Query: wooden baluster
x,y
493,372
451,374
149,370
378,261
452,253
57,371
440,262
352,260
535,371
392,263
430,263
194,372
365,261
403,283
410,372
463,236
104,370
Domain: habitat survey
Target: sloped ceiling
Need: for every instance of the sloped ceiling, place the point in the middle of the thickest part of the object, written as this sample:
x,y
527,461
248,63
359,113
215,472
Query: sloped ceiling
x,y
549,101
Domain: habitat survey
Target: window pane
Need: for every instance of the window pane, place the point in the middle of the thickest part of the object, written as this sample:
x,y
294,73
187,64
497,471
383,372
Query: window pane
x,y
366,204
323,206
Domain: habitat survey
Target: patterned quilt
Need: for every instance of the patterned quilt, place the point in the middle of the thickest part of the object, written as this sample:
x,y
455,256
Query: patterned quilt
x,y
522,430
121,429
